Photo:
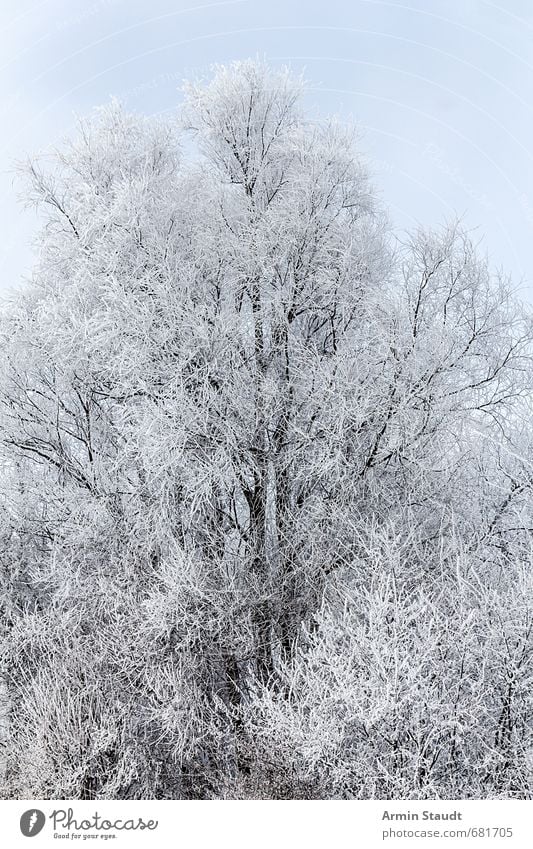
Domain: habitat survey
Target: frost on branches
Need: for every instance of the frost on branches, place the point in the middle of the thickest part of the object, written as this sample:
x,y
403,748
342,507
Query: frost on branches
x,y
266,501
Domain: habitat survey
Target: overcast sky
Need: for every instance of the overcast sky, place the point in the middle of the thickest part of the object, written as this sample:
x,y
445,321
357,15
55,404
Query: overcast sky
x,y
441,93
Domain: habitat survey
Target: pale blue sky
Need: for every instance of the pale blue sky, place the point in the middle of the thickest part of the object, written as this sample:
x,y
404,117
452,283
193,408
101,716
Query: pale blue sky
x,y
442,93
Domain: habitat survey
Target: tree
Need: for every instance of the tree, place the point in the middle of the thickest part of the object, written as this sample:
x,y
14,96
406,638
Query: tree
x,y
223,392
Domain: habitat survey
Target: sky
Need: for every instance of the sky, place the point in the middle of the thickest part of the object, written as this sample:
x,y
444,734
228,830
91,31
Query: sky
x,y
441,94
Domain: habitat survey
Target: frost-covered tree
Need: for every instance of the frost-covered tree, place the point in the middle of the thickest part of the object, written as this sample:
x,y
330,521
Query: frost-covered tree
x,y
260,469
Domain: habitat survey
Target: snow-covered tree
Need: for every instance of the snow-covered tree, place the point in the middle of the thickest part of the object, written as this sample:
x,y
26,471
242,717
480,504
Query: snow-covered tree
x,y
261,468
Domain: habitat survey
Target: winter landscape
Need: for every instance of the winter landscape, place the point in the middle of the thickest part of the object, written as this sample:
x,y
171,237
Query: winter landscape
x,y
266,495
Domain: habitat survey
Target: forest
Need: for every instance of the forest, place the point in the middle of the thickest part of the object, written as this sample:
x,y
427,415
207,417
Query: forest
x,y
266,497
